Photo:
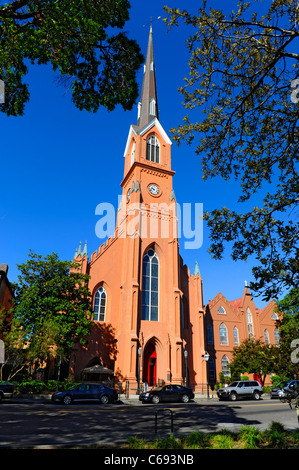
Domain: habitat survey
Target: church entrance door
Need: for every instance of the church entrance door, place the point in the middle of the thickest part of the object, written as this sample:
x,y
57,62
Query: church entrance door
x,y
150,365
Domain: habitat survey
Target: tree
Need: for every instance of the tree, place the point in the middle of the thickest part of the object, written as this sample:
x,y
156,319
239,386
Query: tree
x,y
244,77
75,38
288,324
12,336
254,357
53,307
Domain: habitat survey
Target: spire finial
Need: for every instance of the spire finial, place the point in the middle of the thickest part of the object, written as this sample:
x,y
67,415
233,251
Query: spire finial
x,y
148,106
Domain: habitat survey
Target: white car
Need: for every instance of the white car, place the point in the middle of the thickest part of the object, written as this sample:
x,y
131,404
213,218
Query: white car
x,y
241,389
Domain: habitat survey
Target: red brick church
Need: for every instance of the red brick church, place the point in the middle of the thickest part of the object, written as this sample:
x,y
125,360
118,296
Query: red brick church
x,y
148,312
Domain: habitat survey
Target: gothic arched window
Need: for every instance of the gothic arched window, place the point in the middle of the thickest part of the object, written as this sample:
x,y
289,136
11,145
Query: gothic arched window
x,y
99,306
249,324
153,149
276,336
150,286
236,336
225,365
223,334
210,334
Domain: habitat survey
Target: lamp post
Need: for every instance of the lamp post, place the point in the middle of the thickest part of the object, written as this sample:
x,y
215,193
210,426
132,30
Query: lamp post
x,y
186,366
138,370
206,358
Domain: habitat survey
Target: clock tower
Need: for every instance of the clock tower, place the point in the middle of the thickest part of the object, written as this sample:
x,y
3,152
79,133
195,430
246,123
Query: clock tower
x,y
147,170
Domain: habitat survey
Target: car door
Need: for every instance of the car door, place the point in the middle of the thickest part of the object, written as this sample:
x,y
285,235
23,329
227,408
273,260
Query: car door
x,y
241,389
248,389
167,394
79,393
95,391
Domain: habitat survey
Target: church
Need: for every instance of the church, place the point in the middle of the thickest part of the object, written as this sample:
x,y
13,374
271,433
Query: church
x,y
150,325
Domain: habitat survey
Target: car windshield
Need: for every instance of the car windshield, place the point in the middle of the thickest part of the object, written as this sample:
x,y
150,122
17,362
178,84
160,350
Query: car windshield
x,y
282,384
156,389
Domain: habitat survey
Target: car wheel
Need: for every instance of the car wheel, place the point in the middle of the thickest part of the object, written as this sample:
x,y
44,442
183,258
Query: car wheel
x,y
104,399
233,396
67,399
185,398
155,399
256,395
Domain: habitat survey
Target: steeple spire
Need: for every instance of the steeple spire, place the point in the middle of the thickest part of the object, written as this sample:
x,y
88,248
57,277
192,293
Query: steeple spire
x,y
148,106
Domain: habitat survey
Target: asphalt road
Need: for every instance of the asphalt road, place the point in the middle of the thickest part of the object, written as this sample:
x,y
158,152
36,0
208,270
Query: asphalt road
x,y
44,425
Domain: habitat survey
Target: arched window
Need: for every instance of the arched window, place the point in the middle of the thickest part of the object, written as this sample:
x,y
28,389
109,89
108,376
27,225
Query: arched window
x,y
249,324
153,149
266,334
225,365
182,314
274,316
223,334
99,306
153,107
133,153
212,371
221,310
236,336
210,334
150,286
276,336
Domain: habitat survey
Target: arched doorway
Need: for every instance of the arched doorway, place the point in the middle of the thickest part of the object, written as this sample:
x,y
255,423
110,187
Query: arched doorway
x,y
150,365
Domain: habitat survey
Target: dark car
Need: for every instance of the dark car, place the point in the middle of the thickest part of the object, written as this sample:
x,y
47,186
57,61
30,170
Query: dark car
x,y
274,391
292,387
6,390
86,391
167,393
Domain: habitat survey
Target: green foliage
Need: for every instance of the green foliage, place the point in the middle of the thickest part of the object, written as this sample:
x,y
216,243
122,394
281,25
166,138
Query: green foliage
x,y
76,38
52,307
255,357
276,436
288,324
249,437
245,125
32,386
37,386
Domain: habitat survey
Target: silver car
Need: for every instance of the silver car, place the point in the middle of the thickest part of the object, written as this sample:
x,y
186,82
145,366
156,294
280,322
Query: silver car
x,y
241,389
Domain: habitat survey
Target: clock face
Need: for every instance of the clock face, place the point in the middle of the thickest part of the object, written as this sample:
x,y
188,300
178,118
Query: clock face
x,y
153,189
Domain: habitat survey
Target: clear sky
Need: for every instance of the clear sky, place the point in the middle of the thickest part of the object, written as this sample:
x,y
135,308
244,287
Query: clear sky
x,y
59,163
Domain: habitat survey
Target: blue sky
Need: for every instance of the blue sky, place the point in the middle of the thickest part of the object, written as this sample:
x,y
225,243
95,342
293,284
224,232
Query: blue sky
x,y
59,163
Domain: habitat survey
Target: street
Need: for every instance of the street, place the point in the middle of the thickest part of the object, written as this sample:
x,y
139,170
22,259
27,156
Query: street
x,y
27,425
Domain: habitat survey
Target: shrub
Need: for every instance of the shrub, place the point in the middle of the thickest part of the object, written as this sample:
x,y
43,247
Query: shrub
x,y
276,436
32,386
250,437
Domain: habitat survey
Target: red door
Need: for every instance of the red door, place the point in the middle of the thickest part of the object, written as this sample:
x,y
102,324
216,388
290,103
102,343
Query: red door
x,y
152,369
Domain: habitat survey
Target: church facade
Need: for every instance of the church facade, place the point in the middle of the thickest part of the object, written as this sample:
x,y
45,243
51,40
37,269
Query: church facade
x,y
149,321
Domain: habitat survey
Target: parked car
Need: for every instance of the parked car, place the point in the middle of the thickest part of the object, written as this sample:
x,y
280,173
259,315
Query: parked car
x,y
241,389
6,390
274,390
86,391
167,393
291,386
